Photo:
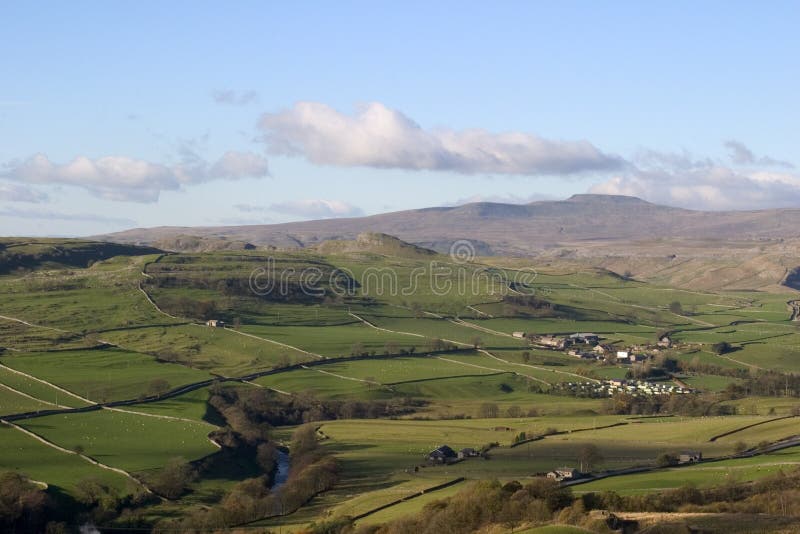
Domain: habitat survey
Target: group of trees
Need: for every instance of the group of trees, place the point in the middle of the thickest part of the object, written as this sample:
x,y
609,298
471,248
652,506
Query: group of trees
x,y
312,471
24,506
622,403
766,383
529,306
254,411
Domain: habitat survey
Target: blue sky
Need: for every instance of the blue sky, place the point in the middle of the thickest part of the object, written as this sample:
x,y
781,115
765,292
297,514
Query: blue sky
x,y
123,114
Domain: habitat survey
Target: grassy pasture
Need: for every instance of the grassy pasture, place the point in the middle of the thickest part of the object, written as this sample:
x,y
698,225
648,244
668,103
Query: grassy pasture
x,y
214,349
103,375
37,389
128,441
11,402
24,454
334,341
701,475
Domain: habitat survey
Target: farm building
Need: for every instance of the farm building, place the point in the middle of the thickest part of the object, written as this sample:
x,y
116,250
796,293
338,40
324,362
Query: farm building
x,y
689,457
215,323
518,334
443,454
623,355
585,337
665,342
563,473
467,452
554,342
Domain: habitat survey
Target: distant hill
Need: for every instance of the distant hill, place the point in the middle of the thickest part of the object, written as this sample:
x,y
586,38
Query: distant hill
x,y
34,253
376,243
507,228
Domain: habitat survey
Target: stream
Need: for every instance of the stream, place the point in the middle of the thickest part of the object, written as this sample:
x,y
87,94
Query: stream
x,y
281,470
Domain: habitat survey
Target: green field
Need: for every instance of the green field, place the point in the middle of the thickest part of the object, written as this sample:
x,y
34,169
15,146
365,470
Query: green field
x,y
93,332
129,441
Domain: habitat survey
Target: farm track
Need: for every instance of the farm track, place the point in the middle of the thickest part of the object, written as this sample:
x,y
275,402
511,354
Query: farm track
x,y
529,377
284,345
89,459
483,351
71,394
22,393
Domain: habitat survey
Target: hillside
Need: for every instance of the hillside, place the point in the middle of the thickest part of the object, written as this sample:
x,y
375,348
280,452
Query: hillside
x,y
27,254
375,243
511,228
697,249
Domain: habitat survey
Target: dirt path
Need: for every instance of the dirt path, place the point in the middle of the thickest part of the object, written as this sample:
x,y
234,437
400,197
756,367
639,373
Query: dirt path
x,y
82,456
343,377
71,394
476,310
479,328
487,353
583,378
22,393
26,323
152,302
493,369
276,390
158,416
408,333
314,354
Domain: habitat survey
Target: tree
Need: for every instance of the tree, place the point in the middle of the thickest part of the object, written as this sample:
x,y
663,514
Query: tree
x,y
391,347
476,342
589,456
723,347
514,411
675,307
158,386
740,447
174,478
489,410
357,349
526,356
237,323
665,460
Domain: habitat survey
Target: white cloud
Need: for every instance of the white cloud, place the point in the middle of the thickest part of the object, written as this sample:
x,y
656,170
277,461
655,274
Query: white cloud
x,y
678,179
318,209
741,155
509,198
20,193
377,136
127,179
61,216
230,97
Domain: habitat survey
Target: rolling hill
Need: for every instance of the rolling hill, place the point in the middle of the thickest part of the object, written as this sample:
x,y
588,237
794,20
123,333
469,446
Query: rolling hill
x,y
697,249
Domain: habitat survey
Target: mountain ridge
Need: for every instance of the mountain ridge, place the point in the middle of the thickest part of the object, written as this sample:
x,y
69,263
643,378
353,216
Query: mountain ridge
x,y
517,229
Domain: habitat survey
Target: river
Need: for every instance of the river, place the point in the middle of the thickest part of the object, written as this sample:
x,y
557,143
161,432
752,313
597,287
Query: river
x,y
281,469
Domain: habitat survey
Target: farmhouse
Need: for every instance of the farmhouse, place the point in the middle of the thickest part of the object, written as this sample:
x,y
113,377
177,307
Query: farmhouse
x,y
467,452
665,342
623,355
554,342
520,335
585,337
442,455
563,473
215,323
690,457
